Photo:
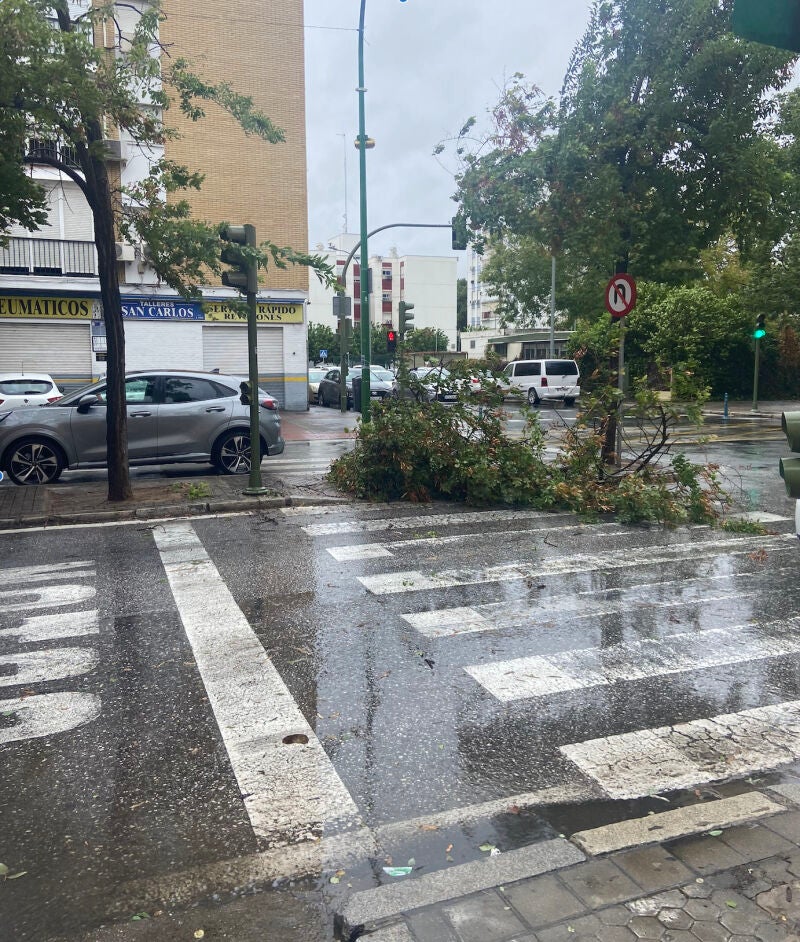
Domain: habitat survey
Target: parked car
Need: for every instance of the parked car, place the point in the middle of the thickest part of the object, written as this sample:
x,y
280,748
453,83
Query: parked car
x,y
315,374
539,380
436,380
382,384
173,416
27,389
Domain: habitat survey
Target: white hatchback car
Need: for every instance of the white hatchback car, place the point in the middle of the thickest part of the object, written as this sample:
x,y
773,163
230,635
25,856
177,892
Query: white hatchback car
x,y
27,389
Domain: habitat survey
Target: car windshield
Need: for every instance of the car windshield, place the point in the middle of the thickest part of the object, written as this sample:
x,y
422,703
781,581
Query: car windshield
x,y
315,376
375,372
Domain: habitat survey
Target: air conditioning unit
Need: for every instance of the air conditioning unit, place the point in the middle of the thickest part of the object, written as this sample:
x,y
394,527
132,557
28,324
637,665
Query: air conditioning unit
x,y
125,252
114,150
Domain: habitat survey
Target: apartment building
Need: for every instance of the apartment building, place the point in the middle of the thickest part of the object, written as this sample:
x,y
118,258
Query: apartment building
x,y
427,282
51,318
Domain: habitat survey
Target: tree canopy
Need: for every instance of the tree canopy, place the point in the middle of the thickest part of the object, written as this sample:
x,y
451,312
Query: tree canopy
x,y
668,134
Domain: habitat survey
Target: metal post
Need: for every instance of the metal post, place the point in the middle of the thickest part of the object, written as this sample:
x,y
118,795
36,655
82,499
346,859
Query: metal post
x,y
254,485
362,167
621,388
755,375
553,307
725,407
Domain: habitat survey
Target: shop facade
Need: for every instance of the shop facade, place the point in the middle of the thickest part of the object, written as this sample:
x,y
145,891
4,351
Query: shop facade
x,y
64,335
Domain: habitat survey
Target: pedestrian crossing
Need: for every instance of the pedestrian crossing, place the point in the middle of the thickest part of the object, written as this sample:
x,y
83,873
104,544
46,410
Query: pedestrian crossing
x,y
42,648
642,606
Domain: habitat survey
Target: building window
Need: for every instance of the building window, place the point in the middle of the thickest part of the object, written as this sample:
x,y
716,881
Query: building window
x,y
472,344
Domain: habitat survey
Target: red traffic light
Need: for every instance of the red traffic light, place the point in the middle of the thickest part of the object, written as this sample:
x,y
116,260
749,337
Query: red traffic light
x,y
391,335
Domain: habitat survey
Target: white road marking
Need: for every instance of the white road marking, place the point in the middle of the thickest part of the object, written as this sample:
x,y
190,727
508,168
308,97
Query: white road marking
x,y
291,791
727,746
29,574
550,610
429,520
55,626
33,667
416,581
360,551
140,523
46,596
540,676
319,510
46,715
380,550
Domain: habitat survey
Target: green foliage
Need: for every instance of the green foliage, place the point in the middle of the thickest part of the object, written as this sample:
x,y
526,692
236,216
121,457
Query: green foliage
x,y
663,141
426,339
322,337
461,304
735,525
422,451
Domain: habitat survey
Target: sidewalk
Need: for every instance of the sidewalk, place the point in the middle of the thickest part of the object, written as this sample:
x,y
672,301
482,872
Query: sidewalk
x,y
177,494
733,877
768,412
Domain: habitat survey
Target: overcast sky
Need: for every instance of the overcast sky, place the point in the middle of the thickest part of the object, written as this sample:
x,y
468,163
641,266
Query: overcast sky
x,y
428,66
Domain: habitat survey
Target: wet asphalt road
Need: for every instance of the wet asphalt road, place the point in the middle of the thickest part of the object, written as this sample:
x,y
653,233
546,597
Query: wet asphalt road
x,y
461,679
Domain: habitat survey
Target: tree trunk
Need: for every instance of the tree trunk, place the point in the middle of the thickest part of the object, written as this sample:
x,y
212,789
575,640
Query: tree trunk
x,y
119,482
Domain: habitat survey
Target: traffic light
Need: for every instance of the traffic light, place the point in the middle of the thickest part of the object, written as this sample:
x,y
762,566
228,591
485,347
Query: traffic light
x,y
406,317
244,393
772,22
459,230
760,329
244,270
790,467
391,341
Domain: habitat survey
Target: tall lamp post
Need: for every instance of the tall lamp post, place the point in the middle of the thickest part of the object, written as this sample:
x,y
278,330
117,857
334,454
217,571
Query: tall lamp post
x,y
364,276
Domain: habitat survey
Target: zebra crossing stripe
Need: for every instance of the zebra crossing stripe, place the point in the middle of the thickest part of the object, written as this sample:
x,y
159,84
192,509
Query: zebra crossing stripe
x,y
289,786
429,520
28,574
381,550
552,610
541,676
416,581
726,746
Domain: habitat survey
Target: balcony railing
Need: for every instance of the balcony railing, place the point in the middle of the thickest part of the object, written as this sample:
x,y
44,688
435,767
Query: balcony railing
x,y
48,257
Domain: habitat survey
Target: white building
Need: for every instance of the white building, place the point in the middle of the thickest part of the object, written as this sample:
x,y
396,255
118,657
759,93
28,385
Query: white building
x,y
427,282
481,303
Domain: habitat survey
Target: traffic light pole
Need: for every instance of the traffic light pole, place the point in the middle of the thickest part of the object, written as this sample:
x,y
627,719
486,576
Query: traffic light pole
x,y
755,375
254,485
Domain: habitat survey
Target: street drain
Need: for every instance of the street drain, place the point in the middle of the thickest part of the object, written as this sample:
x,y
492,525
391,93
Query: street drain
x,y
295,739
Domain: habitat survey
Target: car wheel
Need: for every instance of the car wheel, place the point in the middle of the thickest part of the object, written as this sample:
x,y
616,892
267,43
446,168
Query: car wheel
x,y
320,399
569,402
35,461
533,399
231,454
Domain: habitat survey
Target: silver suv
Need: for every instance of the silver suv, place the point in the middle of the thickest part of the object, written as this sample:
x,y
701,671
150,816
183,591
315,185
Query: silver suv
x,y
173,416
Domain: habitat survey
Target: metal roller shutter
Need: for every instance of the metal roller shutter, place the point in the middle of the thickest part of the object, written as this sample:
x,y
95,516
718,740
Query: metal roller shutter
x,y
225,349
62,350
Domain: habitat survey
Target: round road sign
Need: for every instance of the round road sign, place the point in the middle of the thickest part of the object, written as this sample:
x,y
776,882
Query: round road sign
x,y
620,295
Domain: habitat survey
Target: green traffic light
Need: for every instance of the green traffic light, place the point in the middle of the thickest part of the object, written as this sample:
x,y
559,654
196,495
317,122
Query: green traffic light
x,y
759,333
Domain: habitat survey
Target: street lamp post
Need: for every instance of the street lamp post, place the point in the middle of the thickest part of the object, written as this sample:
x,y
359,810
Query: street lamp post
x,y
364,277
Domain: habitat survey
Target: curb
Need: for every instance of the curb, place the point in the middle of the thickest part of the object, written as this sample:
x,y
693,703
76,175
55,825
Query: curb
x,y
154,512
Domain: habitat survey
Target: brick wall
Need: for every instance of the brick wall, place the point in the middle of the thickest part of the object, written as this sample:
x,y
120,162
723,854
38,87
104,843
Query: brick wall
x,y
258,50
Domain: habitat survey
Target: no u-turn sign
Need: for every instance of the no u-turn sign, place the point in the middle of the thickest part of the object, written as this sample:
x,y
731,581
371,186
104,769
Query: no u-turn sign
x,y
620,295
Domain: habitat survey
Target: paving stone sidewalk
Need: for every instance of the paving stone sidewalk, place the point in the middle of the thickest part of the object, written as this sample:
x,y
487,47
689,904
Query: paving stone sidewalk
x,y
738,885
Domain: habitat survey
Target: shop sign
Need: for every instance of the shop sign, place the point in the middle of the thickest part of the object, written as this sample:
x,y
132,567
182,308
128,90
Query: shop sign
x,y
268,312
73,309
161,309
